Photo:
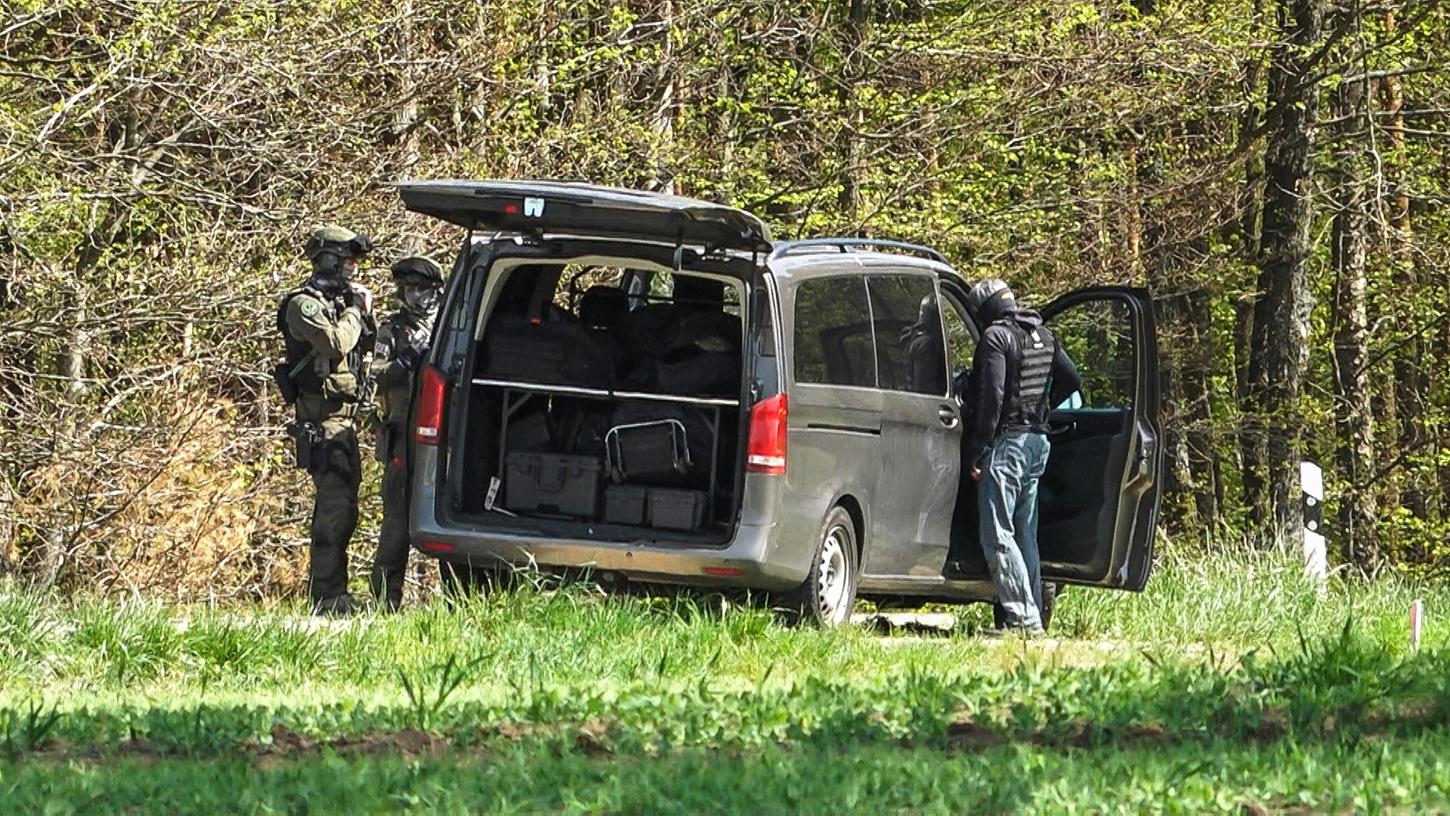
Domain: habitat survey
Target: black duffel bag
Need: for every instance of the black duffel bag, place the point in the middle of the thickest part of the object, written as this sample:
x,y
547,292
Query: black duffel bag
x,y
549,353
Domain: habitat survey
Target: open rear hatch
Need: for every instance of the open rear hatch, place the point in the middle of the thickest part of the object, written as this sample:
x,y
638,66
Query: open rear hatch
x,y
583,406
583,209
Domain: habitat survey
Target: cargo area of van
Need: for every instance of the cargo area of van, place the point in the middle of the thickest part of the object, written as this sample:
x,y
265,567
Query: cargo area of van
x,y
605,401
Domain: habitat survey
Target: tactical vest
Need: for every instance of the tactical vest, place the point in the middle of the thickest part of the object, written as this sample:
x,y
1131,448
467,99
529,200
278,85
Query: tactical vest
x,y
401,329
1027,399
306,372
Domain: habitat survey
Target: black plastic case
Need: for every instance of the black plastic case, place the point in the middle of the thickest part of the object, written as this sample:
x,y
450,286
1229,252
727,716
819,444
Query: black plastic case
x,y
553,483
625,504
676,509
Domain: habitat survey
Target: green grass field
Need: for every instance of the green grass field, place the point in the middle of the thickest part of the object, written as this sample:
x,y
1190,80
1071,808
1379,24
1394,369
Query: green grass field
x,y
1229,686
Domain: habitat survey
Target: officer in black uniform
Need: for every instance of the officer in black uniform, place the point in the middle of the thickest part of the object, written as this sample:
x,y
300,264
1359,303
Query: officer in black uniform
x,y
1019,372
326,324
402,343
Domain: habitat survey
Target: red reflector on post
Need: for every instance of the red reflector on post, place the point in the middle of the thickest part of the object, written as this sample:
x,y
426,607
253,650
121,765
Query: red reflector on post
x,y
767,436
437,546
431,396
724,572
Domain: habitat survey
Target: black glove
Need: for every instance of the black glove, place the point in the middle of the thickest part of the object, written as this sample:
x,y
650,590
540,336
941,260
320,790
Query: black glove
x,y
408,356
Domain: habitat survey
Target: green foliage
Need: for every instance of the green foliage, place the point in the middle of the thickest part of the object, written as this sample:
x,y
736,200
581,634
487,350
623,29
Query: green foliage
x,y
24,731
424,699
170,157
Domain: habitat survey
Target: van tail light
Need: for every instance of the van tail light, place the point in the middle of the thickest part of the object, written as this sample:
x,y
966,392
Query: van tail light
x,y
428,428
767,436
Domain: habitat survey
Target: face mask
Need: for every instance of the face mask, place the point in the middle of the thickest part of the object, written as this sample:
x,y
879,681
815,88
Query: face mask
x,y
419,300
330,273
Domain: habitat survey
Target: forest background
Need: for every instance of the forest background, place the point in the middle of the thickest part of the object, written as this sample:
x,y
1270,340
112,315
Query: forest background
x,y
1274,171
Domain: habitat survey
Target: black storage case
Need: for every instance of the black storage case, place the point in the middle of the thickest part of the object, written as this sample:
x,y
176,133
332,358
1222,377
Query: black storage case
x,y
625,504
552,483
676,509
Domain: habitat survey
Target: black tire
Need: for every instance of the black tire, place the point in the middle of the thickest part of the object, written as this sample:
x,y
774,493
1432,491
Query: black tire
x,y
829,591
1049,602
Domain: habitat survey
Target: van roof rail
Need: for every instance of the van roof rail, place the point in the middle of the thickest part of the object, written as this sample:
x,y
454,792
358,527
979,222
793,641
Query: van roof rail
x,y
846,244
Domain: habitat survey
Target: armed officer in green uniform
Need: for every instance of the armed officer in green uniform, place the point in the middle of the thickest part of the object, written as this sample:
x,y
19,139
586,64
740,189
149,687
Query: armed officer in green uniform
x,y
402,342
326,324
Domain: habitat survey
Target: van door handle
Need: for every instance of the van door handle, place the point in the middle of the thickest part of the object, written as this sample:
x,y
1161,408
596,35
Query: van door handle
x,y
948,416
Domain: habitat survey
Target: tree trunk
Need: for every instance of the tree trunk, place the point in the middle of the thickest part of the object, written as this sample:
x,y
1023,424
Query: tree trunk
x,y
854,36
665,111
405,118
1250,437
1197,394
1281,316
1354,419
1411,382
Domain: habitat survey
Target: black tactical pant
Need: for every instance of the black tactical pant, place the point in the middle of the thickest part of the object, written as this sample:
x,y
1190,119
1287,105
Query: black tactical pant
x,y
391,562
334,513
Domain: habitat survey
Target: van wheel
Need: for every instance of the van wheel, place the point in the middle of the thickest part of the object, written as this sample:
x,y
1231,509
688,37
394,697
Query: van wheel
x,y
1049,602
829,591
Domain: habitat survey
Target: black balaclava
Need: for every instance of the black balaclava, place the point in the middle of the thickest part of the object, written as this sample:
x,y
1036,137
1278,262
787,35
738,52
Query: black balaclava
x,y
420,286
330,273
419,298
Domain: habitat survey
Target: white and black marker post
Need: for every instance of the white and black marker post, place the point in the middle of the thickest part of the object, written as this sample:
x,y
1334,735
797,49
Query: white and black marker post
x,y
1316,557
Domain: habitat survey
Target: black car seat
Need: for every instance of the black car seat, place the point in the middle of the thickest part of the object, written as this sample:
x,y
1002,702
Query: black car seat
x,y
603,308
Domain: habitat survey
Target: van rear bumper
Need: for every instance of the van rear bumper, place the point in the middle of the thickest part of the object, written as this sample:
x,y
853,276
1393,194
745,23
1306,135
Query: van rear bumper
x,y
771,548
744,562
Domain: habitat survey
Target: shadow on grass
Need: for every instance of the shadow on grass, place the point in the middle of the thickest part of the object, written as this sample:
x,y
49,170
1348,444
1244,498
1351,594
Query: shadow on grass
x,y
1340,692
1288,777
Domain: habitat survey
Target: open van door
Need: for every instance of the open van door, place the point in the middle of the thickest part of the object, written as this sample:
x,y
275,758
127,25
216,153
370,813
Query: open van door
x,y
1098,500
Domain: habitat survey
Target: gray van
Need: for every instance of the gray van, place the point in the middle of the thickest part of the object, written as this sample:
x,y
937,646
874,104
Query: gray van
x,y
649,387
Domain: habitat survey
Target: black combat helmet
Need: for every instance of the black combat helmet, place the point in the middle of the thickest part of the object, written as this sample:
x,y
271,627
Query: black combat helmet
x,y
418,270
989,299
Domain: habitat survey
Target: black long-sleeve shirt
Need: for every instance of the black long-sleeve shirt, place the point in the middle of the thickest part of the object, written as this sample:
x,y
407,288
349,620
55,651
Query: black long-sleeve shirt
x,y
993,393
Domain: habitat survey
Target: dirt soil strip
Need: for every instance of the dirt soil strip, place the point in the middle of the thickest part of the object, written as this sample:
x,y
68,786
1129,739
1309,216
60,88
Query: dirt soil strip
x,y
596,737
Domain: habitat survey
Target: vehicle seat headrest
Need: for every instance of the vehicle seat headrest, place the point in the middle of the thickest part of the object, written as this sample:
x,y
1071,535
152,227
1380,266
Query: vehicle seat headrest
x,y
699,293
602,307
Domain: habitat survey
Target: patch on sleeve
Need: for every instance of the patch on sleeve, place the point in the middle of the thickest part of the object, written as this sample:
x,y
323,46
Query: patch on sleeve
x,y
309,307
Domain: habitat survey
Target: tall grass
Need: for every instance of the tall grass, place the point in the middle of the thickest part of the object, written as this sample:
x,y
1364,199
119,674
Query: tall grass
x,y
586,701
1247,595
1233,601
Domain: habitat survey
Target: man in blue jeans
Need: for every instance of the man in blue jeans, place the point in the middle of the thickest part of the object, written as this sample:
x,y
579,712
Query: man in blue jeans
x,y
1019,372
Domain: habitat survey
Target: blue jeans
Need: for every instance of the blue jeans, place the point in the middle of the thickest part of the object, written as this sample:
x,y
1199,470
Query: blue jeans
x,y
1007,505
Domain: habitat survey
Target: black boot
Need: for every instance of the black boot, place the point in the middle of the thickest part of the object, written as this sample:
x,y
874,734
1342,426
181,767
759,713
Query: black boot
x,y
338,606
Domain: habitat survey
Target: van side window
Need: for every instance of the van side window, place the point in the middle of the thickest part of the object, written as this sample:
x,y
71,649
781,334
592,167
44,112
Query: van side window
x,y
833,333
910,347
961,338
1098,336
